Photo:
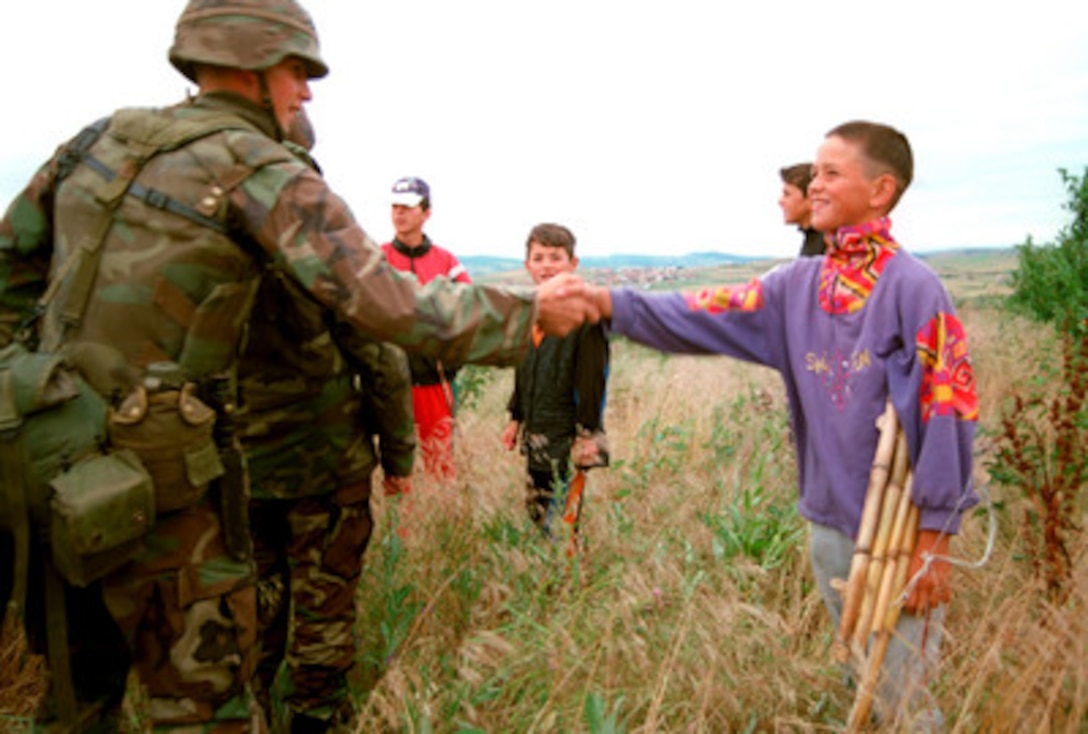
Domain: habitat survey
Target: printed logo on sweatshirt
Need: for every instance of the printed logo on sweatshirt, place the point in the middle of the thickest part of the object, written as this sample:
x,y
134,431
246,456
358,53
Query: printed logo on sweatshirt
x,y
837,370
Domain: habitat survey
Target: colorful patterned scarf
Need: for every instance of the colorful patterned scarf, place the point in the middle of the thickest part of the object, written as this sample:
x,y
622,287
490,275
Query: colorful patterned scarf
x,y
855,259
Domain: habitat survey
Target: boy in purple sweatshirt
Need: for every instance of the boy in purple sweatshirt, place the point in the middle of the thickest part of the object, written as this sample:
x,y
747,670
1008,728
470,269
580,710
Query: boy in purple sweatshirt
x,y
865,323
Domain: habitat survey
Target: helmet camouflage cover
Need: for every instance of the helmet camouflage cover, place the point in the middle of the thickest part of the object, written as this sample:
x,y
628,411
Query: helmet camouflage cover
x,y
245,34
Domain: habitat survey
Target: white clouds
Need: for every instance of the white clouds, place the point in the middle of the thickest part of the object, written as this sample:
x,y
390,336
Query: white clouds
x,y
644,126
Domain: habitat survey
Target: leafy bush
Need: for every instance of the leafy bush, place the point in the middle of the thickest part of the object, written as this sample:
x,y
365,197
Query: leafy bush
x,y
1044,428
1051,281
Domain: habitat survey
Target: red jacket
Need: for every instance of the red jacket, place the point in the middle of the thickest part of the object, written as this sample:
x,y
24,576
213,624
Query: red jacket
x,y
428,261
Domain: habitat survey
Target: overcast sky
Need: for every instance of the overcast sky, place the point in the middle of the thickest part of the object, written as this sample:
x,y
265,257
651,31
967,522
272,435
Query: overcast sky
x,y
649,127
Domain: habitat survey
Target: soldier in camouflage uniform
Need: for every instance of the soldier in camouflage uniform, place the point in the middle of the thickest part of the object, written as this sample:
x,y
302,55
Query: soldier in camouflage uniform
x,y
313,399
143,241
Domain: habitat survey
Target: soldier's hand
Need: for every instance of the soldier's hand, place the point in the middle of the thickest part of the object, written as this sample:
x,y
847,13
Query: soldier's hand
x,y
395,486
510,435
935,587
564,303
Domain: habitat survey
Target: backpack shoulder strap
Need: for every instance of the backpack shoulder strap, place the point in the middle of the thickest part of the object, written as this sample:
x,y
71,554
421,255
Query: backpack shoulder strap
x,y
146,133
74,152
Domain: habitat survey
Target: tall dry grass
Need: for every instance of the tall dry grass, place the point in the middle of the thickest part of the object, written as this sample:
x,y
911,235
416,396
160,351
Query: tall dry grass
x,y
692,608
22,681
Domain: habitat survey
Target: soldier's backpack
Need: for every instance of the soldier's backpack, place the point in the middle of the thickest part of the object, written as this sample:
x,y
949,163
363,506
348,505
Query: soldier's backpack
x,y
64,484
59,478
63,479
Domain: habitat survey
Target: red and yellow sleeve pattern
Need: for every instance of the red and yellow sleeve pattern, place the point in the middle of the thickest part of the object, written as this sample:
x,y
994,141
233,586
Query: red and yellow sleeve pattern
x,y
743,298
948,378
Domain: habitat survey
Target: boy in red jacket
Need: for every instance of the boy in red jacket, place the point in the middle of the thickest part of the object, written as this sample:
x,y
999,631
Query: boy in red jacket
x,y
433,399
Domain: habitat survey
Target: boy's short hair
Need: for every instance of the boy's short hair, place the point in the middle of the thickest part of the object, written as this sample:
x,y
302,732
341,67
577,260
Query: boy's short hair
x,y
885,147
799,174
551,235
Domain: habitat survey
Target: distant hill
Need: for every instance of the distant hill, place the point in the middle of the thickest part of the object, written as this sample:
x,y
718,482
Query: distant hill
x,y
968,272
966,252
487,264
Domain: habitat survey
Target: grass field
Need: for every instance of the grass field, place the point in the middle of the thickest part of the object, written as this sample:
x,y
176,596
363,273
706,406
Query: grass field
x,y
691,607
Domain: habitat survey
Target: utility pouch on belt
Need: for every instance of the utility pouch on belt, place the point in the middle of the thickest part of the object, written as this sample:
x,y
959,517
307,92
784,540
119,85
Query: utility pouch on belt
x,y
58,477
101,509
170,429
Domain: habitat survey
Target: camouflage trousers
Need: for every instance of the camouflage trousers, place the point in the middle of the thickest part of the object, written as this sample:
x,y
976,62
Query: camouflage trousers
x,y
182,615
309,557
188,613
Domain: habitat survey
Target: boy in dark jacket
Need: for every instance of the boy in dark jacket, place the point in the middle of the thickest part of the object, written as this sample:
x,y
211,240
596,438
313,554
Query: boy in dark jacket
x,y
797,209
559,395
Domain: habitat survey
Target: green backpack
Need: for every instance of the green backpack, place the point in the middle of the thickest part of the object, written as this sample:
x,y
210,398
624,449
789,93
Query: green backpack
x,y
86,503
91,502
59,481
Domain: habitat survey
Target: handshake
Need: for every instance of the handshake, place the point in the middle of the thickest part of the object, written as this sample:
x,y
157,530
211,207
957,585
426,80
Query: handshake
x,y
565,302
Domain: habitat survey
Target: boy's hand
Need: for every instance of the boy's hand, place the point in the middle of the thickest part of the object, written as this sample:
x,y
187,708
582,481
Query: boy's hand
x,y
510,435
590,449
564,303
935,587
603,298
584,452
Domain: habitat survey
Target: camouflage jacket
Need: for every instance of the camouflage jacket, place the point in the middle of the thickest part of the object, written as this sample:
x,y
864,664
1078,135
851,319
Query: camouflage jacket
x,y
315,395
161,293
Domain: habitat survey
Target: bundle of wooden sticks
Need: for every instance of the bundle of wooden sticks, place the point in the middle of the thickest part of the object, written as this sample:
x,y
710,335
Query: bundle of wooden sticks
x,y
878,569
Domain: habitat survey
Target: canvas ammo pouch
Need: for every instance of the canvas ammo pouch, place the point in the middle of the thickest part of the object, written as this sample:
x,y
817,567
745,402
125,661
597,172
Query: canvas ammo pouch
x,y
171,430
100,510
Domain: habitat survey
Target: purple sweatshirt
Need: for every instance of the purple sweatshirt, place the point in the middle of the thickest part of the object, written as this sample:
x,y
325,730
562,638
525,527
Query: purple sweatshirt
x,y
845,331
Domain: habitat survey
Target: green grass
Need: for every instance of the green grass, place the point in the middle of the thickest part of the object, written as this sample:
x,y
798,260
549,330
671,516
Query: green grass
x,y
692,608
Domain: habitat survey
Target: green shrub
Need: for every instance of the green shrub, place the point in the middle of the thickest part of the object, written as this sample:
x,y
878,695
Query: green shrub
x,y
1040,450
1051,280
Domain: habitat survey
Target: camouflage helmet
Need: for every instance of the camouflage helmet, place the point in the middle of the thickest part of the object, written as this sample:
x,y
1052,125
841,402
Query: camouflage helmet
x,y
245,34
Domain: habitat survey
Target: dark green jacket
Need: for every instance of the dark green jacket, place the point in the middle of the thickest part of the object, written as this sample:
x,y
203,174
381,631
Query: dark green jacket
x,y
559,393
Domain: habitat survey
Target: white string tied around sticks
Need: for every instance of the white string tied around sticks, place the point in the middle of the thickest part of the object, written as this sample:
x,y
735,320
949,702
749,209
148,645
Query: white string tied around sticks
x,y
928,559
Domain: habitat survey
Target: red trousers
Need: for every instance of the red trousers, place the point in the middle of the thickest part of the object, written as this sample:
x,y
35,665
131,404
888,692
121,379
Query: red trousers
x,y
434,424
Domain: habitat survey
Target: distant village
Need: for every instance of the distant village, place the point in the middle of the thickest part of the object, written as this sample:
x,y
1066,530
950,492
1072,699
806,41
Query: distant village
x,y
641,277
